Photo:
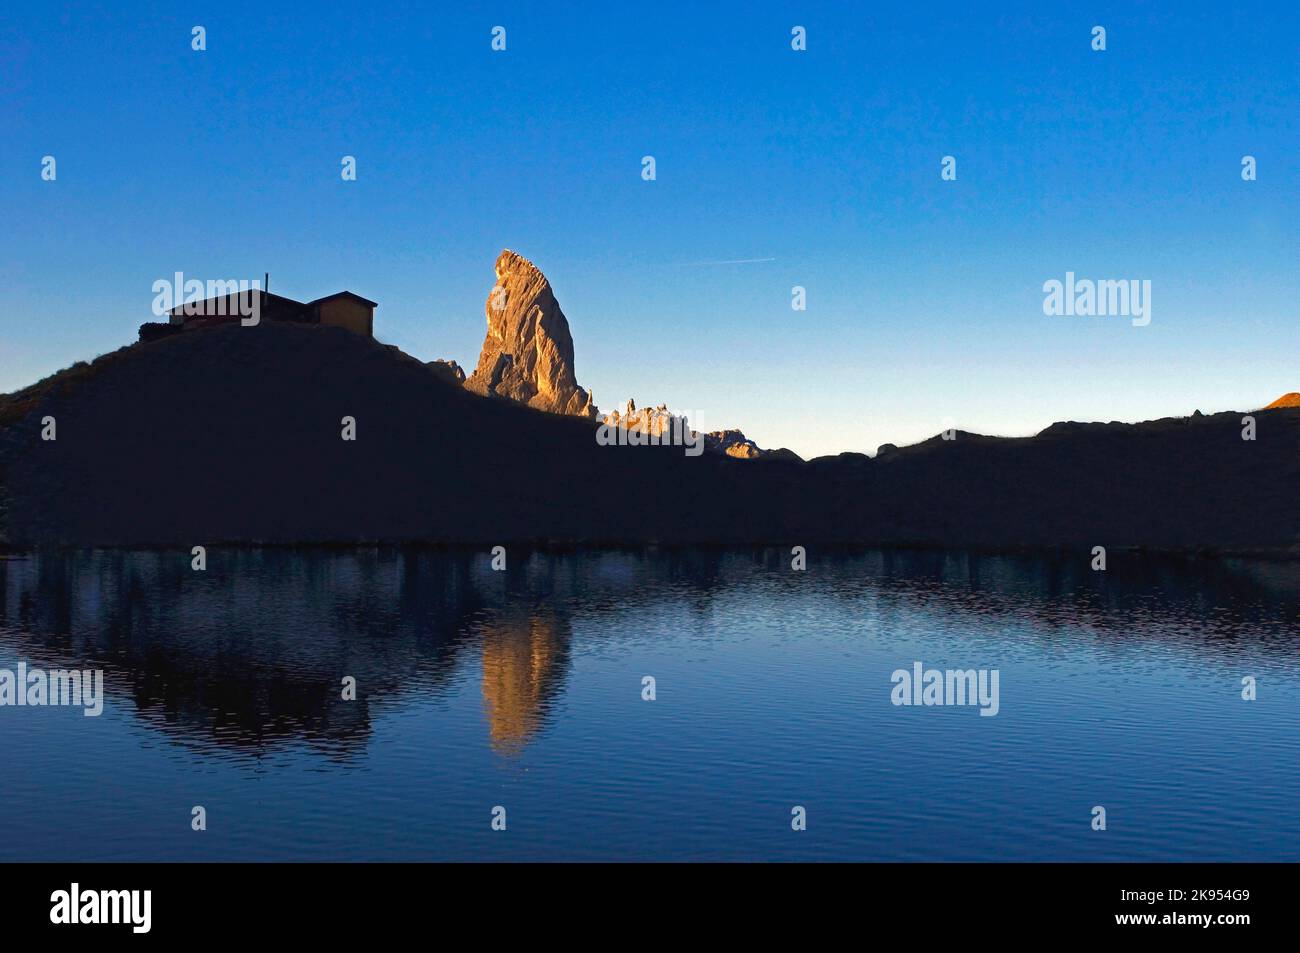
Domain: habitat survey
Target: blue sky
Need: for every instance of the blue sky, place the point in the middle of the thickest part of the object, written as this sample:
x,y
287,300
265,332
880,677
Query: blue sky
x,y
924,297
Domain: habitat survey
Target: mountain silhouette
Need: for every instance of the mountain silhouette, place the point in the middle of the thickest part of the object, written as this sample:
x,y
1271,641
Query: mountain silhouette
x,y
234,434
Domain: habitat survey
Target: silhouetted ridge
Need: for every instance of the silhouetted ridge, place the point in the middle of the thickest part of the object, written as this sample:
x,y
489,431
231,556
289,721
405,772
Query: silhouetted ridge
x,y
234,434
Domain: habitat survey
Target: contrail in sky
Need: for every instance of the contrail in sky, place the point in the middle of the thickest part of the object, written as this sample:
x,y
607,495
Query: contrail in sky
x,y
734,261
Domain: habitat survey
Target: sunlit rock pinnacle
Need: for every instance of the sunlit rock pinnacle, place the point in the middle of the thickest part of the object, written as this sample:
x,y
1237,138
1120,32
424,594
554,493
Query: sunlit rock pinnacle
x,y
527,355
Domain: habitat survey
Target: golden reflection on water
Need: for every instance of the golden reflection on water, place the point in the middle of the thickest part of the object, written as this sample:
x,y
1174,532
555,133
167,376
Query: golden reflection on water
x,y
523,669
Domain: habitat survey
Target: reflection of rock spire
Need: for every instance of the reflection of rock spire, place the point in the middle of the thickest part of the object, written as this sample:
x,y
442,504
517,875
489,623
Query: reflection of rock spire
x,y
523,668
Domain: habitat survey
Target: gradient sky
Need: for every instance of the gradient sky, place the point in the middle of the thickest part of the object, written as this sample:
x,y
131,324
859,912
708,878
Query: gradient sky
x,y
924,296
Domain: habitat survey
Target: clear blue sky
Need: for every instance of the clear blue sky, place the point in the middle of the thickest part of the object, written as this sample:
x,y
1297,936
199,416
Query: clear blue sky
x,y
924,296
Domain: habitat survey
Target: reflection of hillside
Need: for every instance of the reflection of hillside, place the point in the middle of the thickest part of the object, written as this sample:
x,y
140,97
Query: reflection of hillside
x,y
249,655
252,653
1215,608
524,665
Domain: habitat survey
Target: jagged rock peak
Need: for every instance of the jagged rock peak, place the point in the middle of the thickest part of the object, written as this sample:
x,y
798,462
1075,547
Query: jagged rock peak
x,y
655,421
660,422
449,371
527,354
733,443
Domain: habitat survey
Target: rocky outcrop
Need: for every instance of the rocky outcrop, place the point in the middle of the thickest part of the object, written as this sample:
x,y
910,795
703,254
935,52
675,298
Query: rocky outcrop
x,y
652,421
733,443
660,422
1286,400
449,371
527,355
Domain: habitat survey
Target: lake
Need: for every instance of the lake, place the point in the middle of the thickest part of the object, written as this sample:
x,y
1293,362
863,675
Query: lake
x,y
773,690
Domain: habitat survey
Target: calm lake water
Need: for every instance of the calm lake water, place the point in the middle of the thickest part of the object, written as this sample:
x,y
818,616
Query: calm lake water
x,y
523,689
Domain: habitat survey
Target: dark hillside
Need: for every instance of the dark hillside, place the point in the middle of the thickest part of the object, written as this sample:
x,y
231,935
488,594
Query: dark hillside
x,y
233,435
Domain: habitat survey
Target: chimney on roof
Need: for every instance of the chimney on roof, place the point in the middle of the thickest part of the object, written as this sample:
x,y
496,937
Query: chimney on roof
x,y
266,283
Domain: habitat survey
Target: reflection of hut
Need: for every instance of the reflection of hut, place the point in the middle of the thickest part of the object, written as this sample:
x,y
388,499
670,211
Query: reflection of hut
x,y
523,667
